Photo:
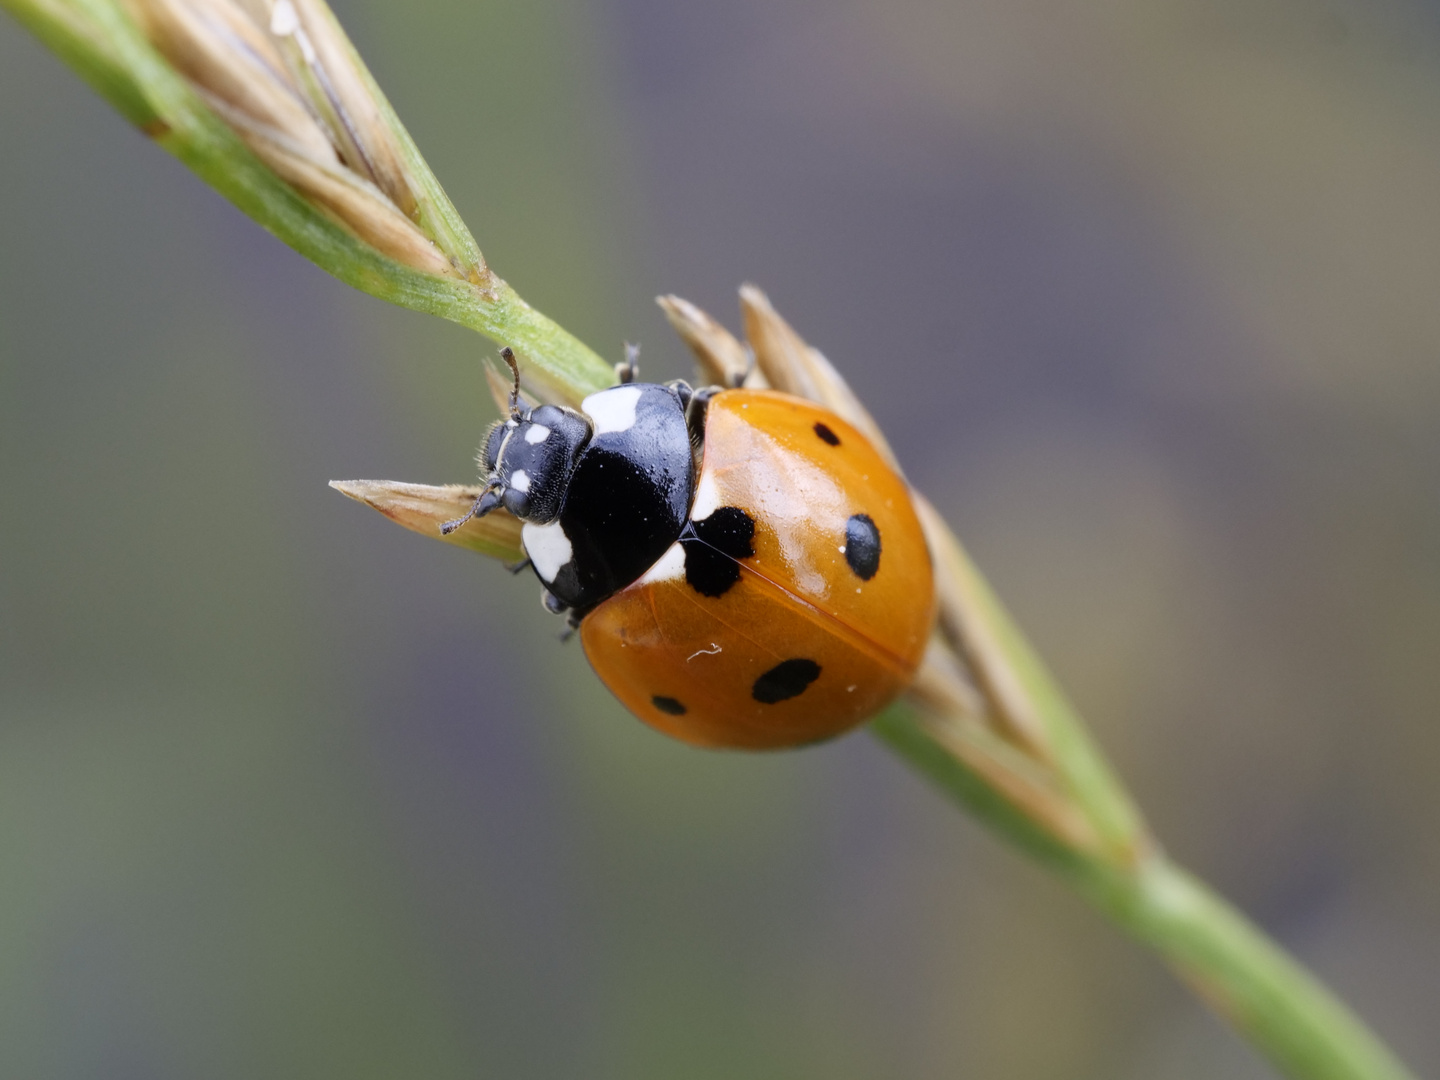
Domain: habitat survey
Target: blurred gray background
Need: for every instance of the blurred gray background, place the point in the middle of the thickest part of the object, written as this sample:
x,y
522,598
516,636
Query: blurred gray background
x,y
1148,297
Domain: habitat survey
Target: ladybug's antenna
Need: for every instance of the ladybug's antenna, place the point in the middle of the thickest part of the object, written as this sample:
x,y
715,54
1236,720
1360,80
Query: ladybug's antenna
x,y
486,501
508,355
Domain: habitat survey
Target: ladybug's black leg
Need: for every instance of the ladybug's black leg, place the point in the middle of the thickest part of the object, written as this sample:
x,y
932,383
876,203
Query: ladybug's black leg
x,y
555,606
629,370
516,567
695,413
572,623
695,423
740,378
683,390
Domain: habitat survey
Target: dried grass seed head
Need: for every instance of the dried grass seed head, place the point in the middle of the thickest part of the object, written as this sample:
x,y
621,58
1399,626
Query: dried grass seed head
x,y
283,76
423,508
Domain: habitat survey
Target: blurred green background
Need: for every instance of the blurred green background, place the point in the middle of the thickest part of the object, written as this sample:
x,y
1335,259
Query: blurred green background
x,y
1148,298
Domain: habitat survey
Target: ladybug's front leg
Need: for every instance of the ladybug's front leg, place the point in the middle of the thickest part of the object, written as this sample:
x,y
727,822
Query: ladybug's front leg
x,y
556,606
628,370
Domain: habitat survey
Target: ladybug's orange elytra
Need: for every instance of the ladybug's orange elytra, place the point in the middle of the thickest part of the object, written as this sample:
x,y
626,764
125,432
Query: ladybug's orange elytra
x,y
808,636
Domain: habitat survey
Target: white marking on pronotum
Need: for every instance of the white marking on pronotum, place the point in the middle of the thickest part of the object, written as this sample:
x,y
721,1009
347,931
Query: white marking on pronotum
x,y
670,565
707,498
548,547
520,481
613,409
714,650
536,433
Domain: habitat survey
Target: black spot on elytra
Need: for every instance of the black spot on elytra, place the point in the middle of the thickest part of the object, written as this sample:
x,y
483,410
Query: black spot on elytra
x,y
712,548
730,530
668,705
826,435
785,680
862,546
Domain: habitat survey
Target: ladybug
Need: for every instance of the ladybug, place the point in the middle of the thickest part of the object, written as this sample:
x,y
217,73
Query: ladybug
x,y
744,568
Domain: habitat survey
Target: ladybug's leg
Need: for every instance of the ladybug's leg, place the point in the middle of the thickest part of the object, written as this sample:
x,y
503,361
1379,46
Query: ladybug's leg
x,y
516,567
683,390
740,378
556,606
629,370
695,413
572,623
695,423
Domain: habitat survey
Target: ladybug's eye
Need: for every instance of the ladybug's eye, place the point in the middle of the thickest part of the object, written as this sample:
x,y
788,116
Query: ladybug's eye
x,y
490,456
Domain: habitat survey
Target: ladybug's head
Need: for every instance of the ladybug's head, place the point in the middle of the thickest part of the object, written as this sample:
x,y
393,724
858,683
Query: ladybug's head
x,y
528,459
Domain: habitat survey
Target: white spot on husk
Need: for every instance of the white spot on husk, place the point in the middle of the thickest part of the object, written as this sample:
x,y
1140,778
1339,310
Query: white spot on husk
x,y
613,409
548,548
